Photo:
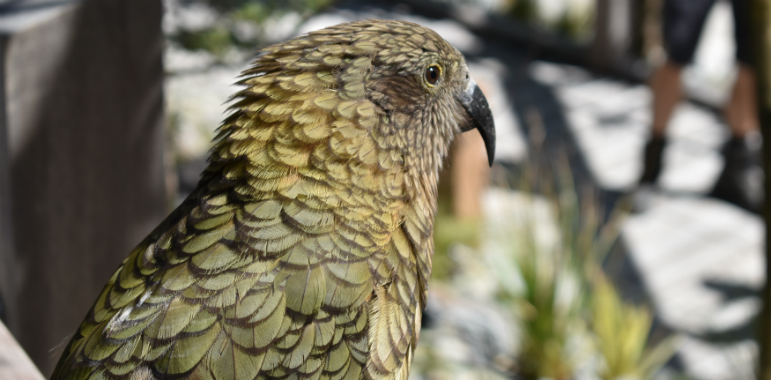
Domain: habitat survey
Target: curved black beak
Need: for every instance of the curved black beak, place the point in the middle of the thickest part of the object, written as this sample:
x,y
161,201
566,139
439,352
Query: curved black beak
x,y
475,103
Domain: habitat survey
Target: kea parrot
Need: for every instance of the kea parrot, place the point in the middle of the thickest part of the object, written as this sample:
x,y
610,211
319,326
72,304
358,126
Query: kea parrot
x,y
305,250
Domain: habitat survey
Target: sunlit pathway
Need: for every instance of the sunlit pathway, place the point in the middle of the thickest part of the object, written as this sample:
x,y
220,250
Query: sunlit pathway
x,y
700,259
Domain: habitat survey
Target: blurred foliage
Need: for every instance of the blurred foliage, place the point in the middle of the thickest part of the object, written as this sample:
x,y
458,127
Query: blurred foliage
x,y
555,270
448,231
264,8
243,23
522,9
566,295
622,332
215,40
575,19
255,11
567,307
549,273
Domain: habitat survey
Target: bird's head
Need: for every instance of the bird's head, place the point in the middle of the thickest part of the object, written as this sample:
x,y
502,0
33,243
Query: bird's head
x,y
375,94
418,80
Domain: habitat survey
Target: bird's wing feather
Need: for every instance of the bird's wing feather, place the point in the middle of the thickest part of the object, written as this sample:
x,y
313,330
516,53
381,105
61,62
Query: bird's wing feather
x,y
214,312
317,280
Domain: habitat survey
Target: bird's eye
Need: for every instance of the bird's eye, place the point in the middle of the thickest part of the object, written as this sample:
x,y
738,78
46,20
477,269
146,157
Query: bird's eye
x,y
433,73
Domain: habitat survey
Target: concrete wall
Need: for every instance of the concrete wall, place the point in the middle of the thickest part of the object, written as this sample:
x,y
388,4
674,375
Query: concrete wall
x,y
81,150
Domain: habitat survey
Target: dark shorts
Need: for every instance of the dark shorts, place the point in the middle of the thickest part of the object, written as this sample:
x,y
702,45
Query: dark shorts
x,y
684,20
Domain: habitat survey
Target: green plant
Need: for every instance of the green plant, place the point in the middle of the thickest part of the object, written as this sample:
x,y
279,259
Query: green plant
x,y
576,19
551,275
215,40
242,24
542,273
621,331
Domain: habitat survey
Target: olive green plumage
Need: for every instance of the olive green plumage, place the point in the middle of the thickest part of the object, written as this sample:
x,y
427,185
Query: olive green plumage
x,y
305,251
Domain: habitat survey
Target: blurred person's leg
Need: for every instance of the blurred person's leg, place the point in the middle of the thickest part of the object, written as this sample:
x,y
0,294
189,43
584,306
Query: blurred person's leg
x,y
667,93
741,179
683,23
741,111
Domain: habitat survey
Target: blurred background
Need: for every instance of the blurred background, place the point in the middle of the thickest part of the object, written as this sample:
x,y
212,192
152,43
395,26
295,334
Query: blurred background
x,y
552,264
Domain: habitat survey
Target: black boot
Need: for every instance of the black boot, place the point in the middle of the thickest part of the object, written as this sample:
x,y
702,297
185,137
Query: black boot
x,y
741,181
643,196
652,161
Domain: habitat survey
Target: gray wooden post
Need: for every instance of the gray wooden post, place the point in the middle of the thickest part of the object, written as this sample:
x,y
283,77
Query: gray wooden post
x,y
81,156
